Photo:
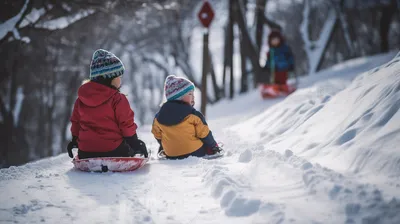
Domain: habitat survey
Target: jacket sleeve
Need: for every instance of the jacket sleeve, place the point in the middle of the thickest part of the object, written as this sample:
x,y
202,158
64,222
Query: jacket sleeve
x,y
157,134
155,129
124,116
202,130
75,118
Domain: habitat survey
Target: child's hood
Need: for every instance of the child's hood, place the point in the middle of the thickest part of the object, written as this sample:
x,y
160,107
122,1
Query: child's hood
x,y
94,94
174,112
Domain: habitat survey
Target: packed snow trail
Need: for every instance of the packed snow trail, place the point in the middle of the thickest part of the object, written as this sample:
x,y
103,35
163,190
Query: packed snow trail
x,y
162,192
272,173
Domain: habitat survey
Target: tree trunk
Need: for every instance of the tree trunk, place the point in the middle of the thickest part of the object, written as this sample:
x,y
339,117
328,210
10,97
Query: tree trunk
x,y
260,14
40,141
345,28
315,50
217,90
230,46
226,60
52,97
233,8
244,85
251,51
8,130
10,119
204,74
386,19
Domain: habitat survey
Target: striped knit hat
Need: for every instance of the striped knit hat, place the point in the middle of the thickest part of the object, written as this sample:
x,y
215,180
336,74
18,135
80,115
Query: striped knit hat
x,y
176,87
105,64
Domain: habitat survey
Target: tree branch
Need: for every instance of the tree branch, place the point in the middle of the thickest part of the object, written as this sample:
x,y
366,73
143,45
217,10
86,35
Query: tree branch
x,y
251,51
272,24
156,63
24,14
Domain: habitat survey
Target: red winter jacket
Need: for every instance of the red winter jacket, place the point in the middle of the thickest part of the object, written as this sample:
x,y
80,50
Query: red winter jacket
x,y
101,118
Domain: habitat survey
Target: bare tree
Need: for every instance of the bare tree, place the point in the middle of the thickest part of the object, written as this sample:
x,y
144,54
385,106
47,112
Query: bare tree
x,y
388,12
55,40
316,49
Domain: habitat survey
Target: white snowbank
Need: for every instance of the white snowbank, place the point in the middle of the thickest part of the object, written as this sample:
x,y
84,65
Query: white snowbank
x,y
332,146
354,130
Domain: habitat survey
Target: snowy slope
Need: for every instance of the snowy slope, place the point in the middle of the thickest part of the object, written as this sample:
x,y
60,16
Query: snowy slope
x,y
329,153
354,130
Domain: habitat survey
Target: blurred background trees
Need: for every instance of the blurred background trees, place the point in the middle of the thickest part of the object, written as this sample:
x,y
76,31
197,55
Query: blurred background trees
x,y
46,47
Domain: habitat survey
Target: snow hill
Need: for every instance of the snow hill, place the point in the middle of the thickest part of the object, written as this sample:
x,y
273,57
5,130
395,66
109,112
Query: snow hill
x,y
328,153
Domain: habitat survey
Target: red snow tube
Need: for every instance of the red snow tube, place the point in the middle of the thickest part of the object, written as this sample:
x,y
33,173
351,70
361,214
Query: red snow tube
x,y
114,164
276,90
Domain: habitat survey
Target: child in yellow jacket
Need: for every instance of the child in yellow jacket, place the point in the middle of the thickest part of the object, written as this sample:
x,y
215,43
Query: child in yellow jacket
x,y
180,129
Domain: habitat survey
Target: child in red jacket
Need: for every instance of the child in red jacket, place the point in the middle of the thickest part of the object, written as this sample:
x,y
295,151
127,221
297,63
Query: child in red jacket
x,y
102,120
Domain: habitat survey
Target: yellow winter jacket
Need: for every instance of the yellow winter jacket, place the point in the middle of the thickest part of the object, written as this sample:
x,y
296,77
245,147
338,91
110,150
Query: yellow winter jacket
x,y
181,129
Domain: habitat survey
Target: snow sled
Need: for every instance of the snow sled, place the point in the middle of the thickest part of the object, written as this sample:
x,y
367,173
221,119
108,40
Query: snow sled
x,y
114,164
161,155
275,90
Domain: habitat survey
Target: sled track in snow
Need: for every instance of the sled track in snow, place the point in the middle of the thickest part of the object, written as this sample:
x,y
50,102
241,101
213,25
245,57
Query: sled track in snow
x,y
235,190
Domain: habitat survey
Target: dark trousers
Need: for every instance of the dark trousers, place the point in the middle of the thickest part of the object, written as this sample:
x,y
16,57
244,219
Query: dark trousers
x,y
202,151
123,150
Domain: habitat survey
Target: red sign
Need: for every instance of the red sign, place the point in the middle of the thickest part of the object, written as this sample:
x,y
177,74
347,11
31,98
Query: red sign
x,y
206,14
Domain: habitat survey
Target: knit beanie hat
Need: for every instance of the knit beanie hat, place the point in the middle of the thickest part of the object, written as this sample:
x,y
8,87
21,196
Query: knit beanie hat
x,y
177,87
105,64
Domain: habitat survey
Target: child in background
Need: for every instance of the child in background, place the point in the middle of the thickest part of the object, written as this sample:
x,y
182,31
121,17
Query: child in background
x,y
179,128
280,60
102,120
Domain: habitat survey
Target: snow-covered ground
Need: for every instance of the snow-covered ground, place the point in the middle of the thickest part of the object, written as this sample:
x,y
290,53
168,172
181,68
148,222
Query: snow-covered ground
x,y
329,153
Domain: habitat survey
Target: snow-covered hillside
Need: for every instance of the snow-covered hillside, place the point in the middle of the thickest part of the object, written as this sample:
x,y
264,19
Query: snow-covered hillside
x,y
329,153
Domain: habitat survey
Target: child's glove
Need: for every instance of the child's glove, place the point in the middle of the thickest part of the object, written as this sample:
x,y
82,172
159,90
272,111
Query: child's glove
x,y
213,150
137,145
141,147
216,149
72,144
